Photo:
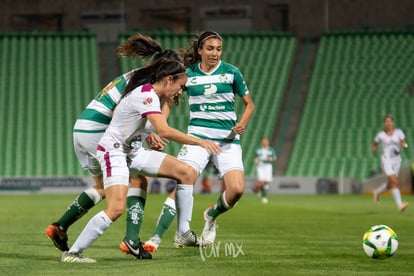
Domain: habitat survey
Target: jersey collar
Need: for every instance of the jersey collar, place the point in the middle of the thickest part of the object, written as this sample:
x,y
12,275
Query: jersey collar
x,y
212,72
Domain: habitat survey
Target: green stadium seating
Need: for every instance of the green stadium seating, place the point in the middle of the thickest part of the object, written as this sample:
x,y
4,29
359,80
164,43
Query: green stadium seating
x,y
356,80
46,81
264,60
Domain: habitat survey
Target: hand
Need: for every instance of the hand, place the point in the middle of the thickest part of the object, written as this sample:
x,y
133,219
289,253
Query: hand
x,y
155,142
211,147
239,128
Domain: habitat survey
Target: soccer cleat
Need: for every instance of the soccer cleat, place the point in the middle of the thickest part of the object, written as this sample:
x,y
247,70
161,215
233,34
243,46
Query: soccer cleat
x,y
127,247
264,200
58,236
68,257
152,244
403,206
376,197
209,232
188,239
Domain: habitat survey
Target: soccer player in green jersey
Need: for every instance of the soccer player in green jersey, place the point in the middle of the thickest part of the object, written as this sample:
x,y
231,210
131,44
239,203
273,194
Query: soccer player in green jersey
x,y
88,130
212,87
265,156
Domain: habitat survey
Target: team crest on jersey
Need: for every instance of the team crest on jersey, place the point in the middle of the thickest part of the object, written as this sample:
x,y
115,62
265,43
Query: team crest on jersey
x,y
210,90
183,151
223,78
147,101
107,88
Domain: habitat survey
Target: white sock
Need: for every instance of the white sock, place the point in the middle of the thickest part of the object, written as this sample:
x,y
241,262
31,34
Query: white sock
x,y
170,202
382,188
397,196
184,204
92,231
93,195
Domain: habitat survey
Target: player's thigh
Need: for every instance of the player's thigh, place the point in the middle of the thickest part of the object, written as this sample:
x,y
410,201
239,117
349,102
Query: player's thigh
x,y
85,149
147,162
261,173
138,181
396,167
268,173
195,156
387,167
114,167
171,167
229,159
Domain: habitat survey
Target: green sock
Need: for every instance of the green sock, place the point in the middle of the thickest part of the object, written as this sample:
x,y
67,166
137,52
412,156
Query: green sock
x,y
220,207
264,189
135,215
165,219
76,210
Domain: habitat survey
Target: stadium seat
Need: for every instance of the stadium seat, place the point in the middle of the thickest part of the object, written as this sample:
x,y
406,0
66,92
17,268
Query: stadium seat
x,y
46,80
356,80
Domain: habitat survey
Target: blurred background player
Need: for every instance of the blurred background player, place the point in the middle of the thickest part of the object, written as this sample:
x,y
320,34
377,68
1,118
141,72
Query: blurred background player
x,y
391,140
212,86
88,130
265,157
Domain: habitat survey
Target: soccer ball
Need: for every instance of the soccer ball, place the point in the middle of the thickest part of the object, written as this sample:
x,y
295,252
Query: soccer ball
x,y
380,242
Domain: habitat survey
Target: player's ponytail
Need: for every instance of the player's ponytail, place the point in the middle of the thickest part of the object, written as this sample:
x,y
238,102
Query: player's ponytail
x,y
190,54
139,45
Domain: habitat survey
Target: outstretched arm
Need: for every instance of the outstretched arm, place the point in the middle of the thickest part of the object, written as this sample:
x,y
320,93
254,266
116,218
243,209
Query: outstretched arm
x,y
166,132
374,146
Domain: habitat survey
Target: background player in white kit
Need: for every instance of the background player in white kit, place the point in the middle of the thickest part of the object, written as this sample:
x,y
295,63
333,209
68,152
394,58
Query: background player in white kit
x,y
391,140
265,157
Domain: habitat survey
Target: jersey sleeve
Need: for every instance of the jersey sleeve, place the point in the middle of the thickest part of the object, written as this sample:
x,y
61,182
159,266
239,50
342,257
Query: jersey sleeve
x,y
239,84
401,134
148,103
377,138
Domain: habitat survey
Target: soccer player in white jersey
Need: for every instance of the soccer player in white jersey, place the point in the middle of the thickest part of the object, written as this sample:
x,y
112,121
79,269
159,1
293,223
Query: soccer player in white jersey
x,y
392,140
212,87
141,102
88,130
265,157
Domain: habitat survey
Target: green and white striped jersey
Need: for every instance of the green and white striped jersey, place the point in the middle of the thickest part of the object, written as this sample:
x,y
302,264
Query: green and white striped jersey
x,y
211,98
264,153
98,114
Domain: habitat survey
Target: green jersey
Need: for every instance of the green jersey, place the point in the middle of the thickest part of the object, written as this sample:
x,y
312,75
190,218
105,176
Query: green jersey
x,y
211,98
263,154
96,117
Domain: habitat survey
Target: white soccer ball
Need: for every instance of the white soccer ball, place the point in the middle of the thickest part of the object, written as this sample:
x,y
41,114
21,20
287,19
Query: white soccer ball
x,y
380,242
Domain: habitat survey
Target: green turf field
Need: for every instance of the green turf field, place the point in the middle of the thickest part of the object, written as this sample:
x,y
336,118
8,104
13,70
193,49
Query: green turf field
x,y
292,235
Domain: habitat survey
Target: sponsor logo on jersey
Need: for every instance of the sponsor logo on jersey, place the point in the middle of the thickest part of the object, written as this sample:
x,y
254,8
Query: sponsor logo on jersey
x,y
147,101
210,90
205,107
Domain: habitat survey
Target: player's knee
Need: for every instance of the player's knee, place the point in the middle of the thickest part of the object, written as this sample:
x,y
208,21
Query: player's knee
x,y
115,212
186,174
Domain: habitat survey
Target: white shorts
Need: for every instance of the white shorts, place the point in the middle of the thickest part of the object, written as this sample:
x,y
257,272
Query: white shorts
x,y
117,166
390,167
146,162
265,172
230,158
85,149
